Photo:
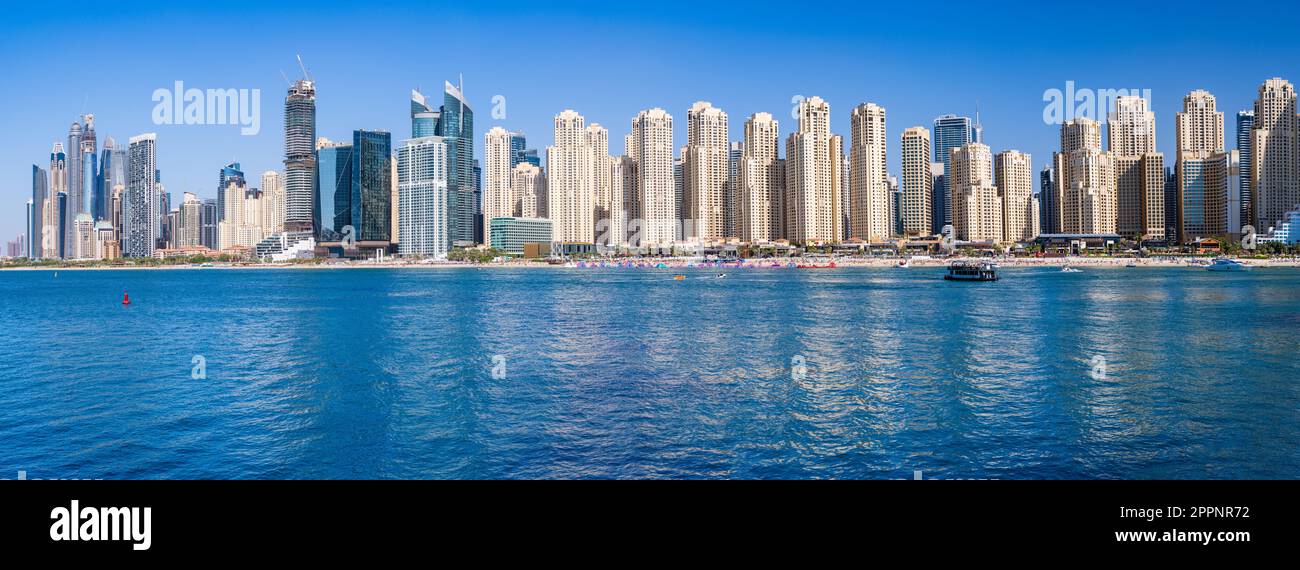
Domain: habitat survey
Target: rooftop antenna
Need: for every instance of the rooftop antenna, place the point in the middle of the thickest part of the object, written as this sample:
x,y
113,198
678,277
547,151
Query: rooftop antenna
x,y
305,75
979,127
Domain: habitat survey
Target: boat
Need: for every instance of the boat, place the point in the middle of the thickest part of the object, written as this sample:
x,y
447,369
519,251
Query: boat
x,y
904,264
971,271
1068,269
1225,264
679,278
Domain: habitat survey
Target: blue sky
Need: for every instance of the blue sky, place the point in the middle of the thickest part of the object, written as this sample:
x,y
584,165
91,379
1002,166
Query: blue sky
x,y
607,60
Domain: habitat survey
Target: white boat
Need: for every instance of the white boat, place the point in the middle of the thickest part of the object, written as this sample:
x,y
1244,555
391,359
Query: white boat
x,y
1068,269
904,264
1225,264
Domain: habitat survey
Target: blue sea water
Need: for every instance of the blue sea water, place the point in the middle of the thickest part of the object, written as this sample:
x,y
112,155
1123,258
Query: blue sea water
x,y
850,373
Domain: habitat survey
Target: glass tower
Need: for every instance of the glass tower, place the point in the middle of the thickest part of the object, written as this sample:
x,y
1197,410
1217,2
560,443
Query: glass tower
x,y
334,199
372,190
456,127
950,131
1245,126
299,156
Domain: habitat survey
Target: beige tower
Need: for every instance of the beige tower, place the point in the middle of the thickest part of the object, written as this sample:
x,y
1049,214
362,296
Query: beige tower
x,y
977,208
651,150
917,182
1085,180
760,181
528,186
1139,170
869,216
1202,169
1013,173
1275,170
811,204
570,185
498,197
705,172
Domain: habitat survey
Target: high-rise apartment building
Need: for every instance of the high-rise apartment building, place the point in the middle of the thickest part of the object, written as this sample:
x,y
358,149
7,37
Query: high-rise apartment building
x,y
761,181
299,157
1014,178
1203,181
140,217
812,197
422,198
976,205
651,150
916,183
869,199
1139,170
705,173
1275,156
570,183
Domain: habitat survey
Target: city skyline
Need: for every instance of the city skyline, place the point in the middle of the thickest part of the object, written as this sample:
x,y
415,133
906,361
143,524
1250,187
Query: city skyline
x,y
1007,92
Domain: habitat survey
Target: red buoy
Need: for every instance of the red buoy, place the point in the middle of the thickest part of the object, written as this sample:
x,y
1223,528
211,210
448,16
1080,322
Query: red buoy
x,y
126,299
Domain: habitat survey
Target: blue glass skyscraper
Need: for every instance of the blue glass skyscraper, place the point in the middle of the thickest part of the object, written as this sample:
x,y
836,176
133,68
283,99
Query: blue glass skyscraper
x,y
1245,126
333,204
950,131
372,190
456,127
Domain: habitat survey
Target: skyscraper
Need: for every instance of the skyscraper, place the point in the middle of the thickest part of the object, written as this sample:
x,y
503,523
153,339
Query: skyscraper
x,y
570,184
976,206
40,201
731,196
498,199
602,183
761,181
422,197
916,183
112,173
56,194
1275,156
227,172
1049,209
90,197
333,203
812,201
869,216
140,210
189,226
372,187
651,150
1245,135
1014,178
1139,170
300,156
456,127
950,131
705,173
1203,167
273,208
1085,180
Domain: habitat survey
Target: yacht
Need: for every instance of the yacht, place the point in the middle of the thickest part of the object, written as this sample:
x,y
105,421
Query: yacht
x,y
1225,264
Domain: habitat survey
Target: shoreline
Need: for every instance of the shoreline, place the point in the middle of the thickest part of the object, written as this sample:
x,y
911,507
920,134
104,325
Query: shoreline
x,y
685,264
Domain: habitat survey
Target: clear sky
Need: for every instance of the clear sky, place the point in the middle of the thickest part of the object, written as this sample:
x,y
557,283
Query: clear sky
x,y
607,60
